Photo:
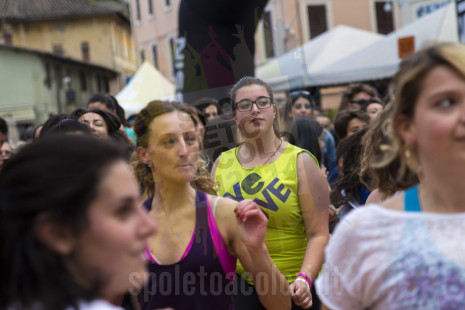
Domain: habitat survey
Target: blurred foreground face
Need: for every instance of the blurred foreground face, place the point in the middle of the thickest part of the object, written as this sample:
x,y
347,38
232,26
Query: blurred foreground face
x,y
437,129
96,123
114,240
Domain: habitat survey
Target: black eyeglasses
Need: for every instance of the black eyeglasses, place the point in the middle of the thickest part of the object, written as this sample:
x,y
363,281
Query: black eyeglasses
x,y
247,104
297,93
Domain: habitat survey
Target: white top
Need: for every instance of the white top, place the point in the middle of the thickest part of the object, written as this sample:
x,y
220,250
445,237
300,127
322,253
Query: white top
x,y
93,305
98,305
385,259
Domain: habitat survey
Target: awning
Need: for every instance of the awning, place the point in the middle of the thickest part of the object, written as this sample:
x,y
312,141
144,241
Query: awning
x,y
146,85
295,68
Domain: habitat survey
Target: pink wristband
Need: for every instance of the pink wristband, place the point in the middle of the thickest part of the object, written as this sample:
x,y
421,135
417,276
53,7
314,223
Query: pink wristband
x,y
303,275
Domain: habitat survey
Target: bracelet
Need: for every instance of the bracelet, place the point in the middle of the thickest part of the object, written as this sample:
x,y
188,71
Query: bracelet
x,y
303,280
303,275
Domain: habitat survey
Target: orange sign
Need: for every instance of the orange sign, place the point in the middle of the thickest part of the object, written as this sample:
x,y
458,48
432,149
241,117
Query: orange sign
x,y
406,46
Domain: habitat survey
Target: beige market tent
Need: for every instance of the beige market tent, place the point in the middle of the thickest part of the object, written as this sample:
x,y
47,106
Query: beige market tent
x,y
380,59
146,85
294,69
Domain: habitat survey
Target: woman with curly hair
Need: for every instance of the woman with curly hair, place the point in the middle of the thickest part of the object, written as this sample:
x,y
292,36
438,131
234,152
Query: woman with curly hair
x,y
407,252
193,254
383,181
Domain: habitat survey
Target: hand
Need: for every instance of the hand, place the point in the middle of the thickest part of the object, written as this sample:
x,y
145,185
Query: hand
x,y
333,213
301,294
252,223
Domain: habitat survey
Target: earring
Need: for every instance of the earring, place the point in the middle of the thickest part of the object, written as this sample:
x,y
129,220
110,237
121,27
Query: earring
x,y
407,153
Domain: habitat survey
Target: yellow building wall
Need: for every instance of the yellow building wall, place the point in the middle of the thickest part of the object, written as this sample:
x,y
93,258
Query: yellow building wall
x,y
110,41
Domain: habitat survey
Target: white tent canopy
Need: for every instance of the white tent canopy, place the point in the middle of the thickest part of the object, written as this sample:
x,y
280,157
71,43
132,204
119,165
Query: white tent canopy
x,y
146,85
294,69
380,59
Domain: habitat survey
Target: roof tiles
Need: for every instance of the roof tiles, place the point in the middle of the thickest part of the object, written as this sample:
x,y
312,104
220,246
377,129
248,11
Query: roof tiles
x,y
51,9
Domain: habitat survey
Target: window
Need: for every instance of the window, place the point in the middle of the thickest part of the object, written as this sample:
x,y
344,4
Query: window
x,y
142,55
384,17
106,84
58,76
83,80
85,51
99,83
317,20
48,78
172,51
154,55
167,4
150,7
7,38
268,34
58,49
138,10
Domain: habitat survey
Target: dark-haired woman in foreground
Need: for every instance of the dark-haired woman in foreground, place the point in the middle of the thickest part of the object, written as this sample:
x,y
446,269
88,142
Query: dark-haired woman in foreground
x,y
72,232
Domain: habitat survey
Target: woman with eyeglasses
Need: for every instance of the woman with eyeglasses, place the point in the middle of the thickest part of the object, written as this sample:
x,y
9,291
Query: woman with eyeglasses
x,y
285,181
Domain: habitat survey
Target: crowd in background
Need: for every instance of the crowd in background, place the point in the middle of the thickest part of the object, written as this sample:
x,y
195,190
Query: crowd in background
x,y
244,194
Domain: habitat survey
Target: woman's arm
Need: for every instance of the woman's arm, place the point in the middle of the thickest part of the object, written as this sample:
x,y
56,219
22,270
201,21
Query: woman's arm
x,y
314,201
215,165
244,225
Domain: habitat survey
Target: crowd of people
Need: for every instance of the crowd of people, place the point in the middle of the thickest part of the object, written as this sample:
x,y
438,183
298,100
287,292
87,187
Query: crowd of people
x,y
230,205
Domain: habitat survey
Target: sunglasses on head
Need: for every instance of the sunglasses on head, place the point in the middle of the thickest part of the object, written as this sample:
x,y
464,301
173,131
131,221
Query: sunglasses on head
x,y
299,93
363,102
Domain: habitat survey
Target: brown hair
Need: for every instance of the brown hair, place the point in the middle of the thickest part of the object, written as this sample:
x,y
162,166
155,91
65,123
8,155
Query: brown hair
x,y
385,179
354,89
249,81
408,83
202,181
344,117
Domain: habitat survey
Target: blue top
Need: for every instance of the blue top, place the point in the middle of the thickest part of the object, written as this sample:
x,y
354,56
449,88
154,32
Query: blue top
x,y
411,201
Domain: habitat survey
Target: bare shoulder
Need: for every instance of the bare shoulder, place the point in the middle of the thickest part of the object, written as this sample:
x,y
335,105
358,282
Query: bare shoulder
x,y
223,205
224,216
375,197
215,165
306,161
395,202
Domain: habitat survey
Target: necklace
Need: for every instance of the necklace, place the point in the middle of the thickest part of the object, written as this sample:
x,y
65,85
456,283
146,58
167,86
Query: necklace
x,y
279,146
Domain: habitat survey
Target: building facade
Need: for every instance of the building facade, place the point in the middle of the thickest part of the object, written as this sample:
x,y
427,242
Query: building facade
x,y
96,33
287,24
36,84
155,28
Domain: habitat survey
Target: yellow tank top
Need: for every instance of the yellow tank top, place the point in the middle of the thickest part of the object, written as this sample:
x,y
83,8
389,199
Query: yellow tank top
x,y
274,188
